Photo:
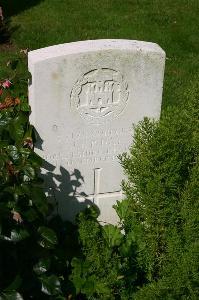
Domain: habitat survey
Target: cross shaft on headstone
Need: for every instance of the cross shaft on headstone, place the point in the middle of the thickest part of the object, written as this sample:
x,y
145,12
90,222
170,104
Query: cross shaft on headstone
x,y
96,195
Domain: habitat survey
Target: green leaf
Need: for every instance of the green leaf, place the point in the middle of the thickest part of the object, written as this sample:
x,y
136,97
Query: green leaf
x,y
5,118
11,296
77,265
25,106
122,208
39,200
16,131
29,173
12,204
126,247
13,152
89,286
112,235
77,276
102,288
16,127
29,131
18,235
25,152
50,285
42,266
92,212
48,237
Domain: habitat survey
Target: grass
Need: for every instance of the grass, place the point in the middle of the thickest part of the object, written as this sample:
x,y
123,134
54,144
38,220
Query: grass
x,y
173,24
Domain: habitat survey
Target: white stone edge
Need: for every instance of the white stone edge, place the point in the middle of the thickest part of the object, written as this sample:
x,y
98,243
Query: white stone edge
x,y
90,46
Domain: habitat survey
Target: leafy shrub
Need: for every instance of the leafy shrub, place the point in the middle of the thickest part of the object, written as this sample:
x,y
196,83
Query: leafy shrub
x,y
102,270
156,254
162,197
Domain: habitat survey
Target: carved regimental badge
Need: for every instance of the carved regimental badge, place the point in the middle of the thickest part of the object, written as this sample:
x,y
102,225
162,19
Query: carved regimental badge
x,y
100,95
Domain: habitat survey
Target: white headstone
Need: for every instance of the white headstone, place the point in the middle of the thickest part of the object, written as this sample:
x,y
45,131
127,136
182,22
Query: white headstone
x,y
85,96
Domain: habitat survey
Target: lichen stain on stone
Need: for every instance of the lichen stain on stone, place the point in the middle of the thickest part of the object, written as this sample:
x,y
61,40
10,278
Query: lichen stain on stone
x,y
55,76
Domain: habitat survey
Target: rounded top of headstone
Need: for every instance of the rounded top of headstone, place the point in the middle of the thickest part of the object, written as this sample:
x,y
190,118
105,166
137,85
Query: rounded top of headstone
x,y
91,46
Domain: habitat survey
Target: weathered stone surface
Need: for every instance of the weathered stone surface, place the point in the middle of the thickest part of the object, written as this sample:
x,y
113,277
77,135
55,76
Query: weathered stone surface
x,y
85,96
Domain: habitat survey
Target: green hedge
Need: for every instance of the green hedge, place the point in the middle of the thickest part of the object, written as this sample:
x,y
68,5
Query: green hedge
x,y
156,255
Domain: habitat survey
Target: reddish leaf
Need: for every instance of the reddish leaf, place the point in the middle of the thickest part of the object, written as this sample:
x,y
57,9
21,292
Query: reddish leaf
x,y
8,102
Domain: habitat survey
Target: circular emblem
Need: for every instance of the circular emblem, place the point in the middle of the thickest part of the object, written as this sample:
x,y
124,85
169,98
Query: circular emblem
x,y
100,95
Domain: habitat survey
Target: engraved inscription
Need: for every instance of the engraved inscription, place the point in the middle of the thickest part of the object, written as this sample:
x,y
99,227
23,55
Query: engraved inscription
x,y
100,95
97,145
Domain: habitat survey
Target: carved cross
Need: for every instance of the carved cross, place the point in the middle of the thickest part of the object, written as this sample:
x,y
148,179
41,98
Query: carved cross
x,y
97,195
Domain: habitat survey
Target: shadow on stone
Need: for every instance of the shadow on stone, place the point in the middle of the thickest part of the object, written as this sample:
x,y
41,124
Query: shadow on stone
x,y
62,189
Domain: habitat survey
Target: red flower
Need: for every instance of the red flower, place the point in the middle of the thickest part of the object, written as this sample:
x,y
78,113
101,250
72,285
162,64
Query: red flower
x,y
6,84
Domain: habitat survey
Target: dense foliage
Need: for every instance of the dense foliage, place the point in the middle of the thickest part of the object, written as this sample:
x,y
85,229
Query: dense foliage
x,y
154,254
104,271
162,196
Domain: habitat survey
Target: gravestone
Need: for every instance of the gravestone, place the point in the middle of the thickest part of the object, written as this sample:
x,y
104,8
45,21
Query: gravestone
x,y
85,96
